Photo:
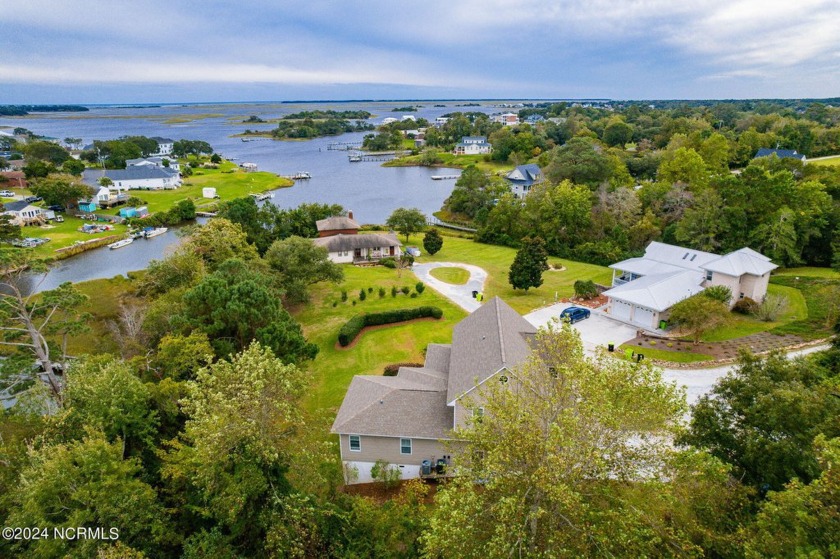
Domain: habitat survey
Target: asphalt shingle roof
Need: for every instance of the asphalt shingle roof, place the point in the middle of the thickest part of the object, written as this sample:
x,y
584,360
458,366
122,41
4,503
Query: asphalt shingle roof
x,y
336,223
340,242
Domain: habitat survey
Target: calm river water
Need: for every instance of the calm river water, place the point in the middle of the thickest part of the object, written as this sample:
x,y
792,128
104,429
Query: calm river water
x,y
367,188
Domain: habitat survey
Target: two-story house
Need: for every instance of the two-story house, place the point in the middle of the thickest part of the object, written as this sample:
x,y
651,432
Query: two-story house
x,y
473,145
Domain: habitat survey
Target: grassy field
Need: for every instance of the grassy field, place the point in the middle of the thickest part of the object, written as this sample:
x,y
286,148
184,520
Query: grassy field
x,y
808,271
334,368
829,161
452,160
822,299
455,276
665,355
496,260
228,180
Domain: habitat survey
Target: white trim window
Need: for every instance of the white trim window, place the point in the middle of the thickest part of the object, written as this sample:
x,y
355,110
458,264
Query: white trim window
x,y
405,446
355,443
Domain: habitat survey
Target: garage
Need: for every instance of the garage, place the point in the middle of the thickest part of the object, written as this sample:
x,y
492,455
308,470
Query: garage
x,y
621,310
643,316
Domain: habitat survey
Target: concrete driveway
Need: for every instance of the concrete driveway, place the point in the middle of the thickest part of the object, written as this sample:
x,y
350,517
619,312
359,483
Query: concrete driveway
x,y
596,331
461,295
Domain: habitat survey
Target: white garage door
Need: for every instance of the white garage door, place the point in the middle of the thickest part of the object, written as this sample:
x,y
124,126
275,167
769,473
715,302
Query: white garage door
x,y
621,310
643,316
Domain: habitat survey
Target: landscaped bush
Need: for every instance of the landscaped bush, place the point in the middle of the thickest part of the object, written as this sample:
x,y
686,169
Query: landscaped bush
x,y
388,263
394,291
420,287
771,308
585,289
745,306
381,292
370,290
343,295
352,327
413,295
362,295
393,369
405,289
718,293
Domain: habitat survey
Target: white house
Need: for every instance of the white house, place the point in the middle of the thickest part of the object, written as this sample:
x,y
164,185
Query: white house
x,y
388,120
522,178
165,145
156,161
405,419
645,288
135,178
346,249
508,119
473,145
23,213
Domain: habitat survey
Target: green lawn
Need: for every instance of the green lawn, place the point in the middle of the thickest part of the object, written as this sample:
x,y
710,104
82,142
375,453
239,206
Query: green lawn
x,y
452,160
496,260
455,276
822,299
63,235
665,355
809,271
830,161
334,368
741,325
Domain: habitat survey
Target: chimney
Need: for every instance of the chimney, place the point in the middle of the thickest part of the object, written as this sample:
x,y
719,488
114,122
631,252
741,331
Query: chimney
x,y
350,214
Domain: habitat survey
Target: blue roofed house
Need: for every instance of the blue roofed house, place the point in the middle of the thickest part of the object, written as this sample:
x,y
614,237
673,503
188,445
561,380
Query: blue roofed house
x,y
473,145
523,178
780,153
645,288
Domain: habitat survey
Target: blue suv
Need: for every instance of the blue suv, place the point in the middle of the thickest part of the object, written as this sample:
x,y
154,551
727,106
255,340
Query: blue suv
x,y
573,314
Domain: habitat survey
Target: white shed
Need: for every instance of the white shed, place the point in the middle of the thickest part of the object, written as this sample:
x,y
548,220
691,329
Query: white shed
x,y
208,192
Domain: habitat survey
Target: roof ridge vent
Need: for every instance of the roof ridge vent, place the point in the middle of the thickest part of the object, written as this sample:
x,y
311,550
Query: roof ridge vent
x,y
499,326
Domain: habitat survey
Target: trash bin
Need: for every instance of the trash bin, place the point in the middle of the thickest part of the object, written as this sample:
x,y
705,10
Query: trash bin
x,y
425,467
475,294
611,347
628,353
639,357
663,324
440,467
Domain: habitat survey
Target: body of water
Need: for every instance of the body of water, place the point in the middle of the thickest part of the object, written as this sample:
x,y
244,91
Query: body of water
x,y
371,191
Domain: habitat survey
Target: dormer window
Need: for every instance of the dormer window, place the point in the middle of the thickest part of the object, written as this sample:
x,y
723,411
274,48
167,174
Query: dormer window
x,y
709,274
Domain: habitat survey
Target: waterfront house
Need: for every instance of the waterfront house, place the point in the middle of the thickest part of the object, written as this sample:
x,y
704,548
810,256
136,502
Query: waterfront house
x,y
508,119
473,145
523,177
134,178
407,419
645,288
337,225
23,213
165,145
353,248
157,161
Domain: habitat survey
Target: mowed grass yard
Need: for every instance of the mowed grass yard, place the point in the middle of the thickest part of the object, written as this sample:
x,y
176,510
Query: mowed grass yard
x,y
834,160
334,368
496,260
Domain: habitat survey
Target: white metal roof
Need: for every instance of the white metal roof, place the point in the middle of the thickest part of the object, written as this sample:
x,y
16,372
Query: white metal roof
x,y
659,291
742,261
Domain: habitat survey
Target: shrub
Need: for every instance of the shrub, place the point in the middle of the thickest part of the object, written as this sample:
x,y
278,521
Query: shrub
x,y
343,295
394,291
771,308
362,295
393,369
388,263
370,290
586,289
745,306
413,295
420,287
354,302
352,327
335,304
405,289
718,293
386,474
381,292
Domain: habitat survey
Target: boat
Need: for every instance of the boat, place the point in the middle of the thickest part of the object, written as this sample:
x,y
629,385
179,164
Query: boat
x,y
302,175
121,243
155,232
355,158
263,196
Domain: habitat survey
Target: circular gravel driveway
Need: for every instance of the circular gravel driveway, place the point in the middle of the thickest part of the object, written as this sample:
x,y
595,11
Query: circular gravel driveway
x,y
461,295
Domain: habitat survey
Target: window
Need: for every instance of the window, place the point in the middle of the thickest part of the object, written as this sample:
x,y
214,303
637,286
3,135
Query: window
x,y
709,274
355,443
405,446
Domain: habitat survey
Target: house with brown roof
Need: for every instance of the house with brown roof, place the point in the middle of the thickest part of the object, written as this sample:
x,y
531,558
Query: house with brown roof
x,y
353,248
14,179
407,419
337,225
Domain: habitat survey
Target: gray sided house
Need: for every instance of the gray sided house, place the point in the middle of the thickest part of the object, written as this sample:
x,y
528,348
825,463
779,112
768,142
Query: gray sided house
x,y
407,419
348,249
645,288
523,178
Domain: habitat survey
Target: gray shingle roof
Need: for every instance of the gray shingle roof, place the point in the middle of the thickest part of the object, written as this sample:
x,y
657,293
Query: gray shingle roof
x,y
92,176
336,223
525,174
341,242
484,342
16,206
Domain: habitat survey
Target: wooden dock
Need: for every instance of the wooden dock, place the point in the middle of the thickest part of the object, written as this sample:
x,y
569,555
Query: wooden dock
x,y
444,177
344,146
375,156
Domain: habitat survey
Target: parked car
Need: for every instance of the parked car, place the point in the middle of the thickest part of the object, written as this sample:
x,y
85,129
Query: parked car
x,y
6,194
31,199
56,208
413,251
575,314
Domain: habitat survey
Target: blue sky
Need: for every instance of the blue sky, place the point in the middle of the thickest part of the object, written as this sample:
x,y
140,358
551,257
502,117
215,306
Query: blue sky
x,y
91,51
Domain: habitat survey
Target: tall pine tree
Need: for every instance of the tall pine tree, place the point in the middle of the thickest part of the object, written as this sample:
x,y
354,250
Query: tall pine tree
x,y
529,264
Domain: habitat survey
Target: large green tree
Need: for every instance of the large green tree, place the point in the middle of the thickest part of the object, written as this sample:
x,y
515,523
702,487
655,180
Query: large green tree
x,y
407,221
541,471
299,263
580,161
61,190
529,264
698,314
432,241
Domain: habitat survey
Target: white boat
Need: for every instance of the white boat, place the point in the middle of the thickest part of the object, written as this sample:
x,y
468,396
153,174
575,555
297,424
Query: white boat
x,y
155,232
121,243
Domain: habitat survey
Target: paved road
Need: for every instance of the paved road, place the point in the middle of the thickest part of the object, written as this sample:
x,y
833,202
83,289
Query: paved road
x,y
461,295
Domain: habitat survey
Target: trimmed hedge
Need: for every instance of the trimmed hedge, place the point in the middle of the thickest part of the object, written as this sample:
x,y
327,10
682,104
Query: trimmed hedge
x,y
352,327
